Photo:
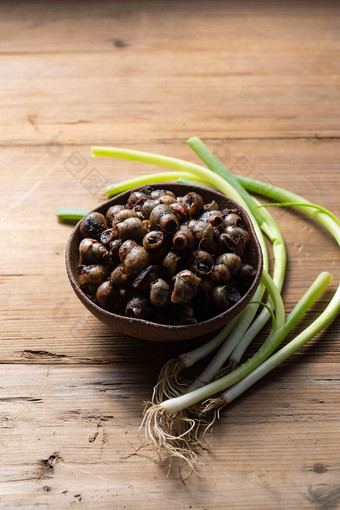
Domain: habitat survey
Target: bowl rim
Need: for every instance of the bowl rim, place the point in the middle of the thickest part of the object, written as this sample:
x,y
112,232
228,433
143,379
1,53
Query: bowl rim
x,y
154,325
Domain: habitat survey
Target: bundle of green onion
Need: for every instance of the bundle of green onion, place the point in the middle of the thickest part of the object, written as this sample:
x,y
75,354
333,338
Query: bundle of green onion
x,y
181,412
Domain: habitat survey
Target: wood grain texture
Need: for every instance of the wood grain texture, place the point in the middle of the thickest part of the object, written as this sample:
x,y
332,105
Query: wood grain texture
x,y
85,445
260,84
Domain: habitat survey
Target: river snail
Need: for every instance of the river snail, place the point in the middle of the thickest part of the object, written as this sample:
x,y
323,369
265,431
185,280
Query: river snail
x,y
160,293
163,218
92,225
90,250
162,258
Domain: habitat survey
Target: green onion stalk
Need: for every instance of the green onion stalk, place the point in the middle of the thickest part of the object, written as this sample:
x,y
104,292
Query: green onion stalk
x,y
261,220
321,214
246,337
70,214
313,329
288,199
271,230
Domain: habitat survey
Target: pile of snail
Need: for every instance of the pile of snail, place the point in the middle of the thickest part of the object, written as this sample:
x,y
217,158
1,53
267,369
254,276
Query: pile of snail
x,y
166,259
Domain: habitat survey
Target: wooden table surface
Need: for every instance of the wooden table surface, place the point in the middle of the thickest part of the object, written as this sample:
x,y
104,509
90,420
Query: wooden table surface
x,y
261,85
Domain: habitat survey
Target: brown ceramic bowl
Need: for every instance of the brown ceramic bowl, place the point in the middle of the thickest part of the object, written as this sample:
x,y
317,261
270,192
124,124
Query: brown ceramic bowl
x,y
150,330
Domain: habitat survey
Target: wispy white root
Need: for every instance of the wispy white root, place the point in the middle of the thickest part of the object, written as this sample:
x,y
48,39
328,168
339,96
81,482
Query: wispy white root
x,y
210,411
169,384
170,434
178,436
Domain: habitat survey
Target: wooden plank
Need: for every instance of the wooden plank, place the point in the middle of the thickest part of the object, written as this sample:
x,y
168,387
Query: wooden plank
x,y
176,26
102,96
81,425
263,75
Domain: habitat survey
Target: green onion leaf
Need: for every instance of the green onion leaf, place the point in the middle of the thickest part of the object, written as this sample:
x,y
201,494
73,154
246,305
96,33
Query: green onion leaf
x,y
70,214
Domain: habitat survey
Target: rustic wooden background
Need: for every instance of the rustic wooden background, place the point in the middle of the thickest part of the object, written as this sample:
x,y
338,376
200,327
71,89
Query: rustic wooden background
x,y
261,85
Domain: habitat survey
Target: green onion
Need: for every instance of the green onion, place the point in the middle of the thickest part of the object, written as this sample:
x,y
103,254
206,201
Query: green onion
x,y
167,424
71,214
270,191
270,311
279,331
270,228
304,205
325,318
115,189
324,216
168,429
